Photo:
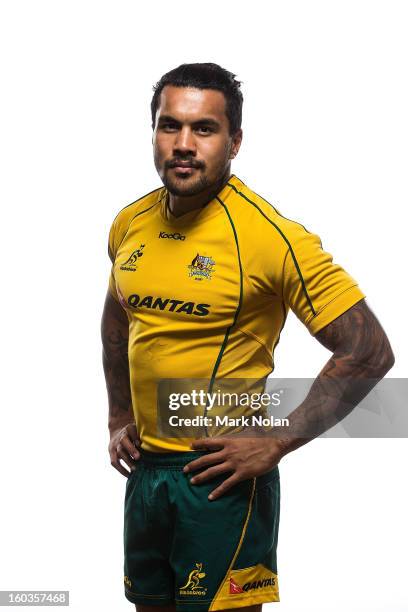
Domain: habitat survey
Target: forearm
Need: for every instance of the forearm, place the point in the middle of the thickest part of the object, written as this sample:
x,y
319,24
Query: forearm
x,y
359,361
115,338
118,388
330,399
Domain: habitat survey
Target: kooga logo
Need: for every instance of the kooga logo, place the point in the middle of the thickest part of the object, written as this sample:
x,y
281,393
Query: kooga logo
x,y
175,236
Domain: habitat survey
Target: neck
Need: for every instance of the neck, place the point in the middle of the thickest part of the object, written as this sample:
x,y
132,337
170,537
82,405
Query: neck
x,y
180,205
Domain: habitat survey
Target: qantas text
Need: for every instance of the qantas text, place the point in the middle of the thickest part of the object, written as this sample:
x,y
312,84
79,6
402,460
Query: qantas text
x,y
200,310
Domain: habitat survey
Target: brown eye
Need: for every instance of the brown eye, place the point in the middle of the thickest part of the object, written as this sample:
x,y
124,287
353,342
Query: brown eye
x,y
169,126
204,129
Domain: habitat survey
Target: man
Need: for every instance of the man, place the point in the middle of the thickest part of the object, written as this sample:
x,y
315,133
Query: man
x,y
204,271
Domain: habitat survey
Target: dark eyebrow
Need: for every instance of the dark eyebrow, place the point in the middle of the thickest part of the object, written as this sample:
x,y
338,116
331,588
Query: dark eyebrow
x,y
167,118
204,121
207,121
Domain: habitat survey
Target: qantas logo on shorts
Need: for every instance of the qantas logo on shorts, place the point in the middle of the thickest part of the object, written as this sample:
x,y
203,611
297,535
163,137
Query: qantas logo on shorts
x,y
175,236
193,586
159,303
235,588
252,579
259,584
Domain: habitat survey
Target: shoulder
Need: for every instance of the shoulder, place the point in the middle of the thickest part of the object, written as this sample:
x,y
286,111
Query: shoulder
x,y
140,205
125,216
260,213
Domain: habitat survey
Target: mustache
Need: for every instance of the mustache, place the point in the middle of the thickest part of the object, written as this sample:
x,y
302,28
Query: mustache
x,y
191,162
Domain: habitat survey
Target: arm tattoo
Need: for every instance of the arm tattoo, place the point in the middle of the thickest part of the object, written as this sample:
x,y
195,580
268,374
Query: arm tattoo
x,y
115,339
358,342
361,356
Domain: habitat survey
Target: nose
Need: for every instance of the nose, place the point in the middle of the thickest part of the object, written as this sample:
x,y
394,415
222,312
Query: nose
x,y
184,143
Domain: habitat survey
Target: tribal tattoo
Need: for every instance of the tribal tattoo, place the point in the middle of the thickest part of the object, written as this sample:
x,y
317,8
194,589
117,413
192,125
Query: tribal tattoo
x,y
115,338
362,355
359,344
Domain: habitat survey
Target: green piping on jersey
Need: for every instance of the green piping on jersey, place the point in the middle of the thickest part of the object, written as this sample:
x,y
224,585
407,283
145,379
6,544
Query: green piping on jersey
x,y
285,239
137,215
285,314
227,333
139,199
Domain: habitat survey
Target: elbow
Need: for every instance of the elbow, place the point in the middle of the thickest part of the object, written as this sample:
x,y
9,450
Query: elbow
x,y
388,361
385,359
377,358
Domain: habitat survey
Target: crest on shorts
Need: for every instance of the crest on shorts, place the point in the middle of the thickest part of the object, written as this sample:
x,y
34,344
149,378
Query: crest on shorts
x,y
193,585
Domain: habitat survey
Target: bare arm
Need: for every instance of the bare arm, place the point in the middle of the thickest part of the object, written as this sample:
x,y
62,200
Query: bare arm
x,y
362,355
115,338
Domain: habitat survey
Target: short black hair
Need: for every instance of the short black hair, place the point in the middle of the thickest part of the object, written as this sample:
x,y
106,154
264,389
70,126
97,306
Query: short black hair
x,y
205,76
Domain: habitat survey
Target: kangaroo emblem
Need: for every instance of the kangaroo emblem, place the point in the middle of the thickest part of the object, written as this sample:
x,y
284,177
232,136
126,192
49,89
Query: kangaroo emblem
x,y
194,577
134,256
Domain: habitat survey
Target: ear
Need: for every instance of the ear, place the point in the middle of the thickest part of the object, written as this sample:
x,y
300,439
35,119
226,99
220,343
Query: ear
x,y
236,143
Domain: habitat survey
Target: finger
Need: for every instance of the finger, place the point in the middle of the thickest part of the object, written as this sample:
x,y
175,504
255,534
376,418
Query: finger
x,y
118,466
132,433
126,458
203,461
129,447
207,444
212,472
224,487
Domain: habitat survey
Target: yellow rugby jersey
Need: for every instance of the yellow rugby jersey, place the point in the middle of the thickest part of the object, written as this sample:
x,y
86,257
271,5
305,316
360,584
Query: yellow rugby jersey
x,y
207,293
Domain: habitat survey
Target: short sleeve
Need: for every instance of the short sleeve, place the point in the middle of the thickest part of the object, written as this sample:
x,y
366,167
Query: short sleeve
x,y
316,289
112,248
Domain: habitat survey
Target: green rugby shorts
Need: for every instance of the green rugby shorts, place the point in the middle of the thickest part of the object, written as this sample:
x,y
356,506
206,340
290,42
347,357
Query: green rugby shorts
x,y
181,548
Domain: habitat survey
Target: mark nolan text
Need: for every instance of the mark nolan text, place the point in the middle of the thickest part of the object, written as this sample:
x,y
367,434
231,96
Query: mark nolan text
x,y
225,421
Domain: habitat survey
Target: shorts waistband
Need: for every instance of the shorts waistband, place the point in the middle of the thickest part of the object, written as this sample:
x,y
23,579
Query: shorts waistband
x,y
176,460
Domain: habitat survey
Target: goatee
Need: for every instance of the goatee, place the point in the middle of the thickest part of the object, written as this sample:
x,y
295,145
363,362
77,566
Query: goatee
x,y
190,188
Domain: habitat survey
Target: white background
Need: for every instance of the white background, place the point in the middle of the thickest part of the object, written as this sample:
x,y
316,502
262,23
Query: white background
x,y
325,139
